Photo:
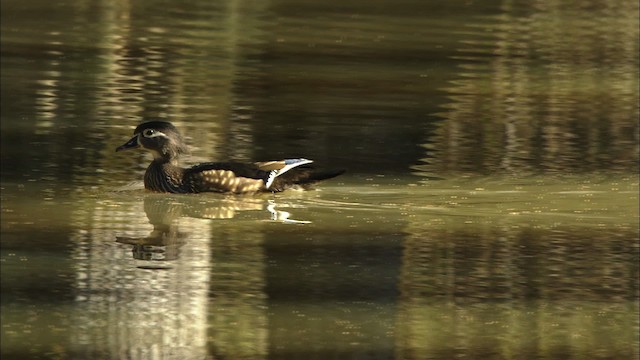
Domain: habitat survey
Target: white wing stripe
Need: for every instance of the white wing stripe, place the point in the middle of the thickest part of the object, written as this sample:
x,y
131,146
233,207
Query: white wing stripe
x,y
289,164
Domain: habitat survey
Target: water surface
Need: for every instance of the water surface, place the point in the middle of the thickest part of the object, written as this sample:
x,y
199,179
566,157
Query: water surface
x,y
490,208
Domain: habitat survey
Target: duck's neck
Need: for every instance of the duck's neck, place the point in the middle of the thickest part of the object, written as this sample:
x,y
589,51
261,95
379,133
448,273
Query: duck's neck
x,y
164,176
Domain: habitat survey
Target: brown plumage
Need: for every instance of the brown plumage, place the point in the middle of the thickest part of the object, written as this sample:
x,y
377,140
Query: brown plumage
x,y
163,140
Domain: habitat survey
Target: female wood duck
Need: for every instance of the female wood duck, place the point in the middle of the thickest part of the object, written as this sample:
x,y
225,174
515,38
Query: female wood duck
x,y
163,140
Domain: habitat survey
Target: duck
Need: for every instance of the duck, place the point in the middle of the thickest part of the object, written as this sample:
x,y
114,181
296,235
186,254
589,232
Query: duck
x,y
165,175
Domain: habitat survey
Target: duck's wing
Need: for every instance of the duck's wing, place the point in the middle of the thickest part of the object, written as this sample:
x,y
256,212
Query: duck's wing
x,y
277,168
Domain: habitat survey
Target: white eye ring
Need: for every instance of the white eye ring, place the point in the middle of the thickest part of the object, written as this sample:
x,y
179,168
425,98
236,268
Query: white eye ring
x,y
151,133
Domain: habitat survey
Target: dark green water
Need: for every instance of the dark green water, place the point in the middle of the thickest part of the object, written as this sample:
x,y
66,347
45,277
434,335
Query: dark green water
x,y
490,209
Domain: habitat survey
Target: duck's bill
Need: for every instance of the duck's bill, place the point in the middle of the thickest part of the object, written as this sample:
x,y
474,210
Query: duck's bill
x,y
131,144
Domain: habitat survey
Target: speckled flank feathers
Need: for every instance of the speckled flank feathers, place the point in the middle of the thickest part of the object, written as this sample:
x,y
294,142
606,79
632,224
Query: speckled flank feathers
x,y
222,181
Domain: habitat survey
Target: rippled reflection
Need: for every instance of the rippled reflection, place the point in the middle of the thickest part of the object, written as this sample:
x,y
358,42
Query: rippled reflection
x,y
508,90
544,270
516,289
526,99
165,240
159,313
172,287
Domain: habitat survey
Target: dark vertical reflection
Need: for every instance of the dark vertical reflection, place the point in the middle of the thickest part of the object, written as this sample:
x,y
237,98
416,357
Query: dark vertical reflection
x,y
348,84
37,282
238,309
332,294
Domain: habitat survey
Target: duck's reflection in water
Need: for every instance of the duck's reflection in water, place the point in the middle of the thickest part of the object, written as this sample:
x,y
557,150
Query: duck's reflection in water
x,y
165,240
195,285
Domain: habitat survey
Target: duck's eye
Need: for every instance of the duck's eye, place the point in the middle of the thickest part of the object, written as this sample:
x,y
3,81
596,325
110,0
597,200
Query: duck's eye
x,y
148,132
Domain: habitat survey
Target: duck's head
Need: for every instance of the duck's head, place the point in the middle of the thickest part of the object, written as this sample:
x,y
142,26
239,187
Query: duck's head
x,y
161,138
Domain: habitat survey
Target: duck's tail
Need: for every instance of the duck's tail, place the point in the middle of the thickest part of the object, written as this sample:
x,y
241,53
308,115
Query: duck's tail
x,y
303,178
281,178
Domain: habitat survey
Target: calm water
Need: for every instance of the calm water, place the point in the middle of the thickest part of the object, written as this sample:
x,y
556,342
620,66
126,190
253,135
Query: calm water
x,y
490,210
